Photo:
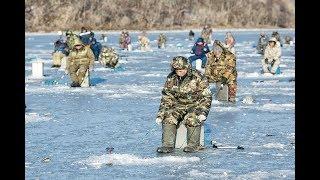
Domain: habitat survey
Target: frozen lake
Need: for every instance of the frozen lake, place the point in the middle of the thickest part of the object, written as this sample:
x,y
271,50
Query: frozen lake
x,y
72,127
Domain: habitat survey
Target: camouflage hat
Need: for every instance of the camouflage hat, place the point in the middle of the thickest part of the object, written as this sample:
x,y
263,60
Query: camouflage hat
x,y
180,62
77,41
217,48
69,33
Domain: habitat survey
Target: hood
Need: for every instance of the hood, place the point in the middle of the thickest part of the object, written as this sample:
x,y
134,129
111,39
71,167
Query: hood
x,y
200,40
77,41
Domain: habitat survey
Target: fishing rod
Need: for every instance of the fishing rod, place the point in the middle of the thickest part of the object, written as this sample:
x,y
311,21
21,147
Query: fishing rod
x,y
214,146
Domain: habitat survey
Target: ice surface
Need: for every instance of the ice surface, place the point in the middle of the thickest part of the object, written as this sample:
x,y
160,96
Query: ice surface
x,y
274,145
34,117
74,126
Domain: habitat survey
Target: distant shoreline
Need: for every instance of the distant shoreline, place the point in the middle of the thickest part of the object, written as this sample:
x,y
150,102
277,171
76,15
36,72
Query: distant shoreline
x,y
173,31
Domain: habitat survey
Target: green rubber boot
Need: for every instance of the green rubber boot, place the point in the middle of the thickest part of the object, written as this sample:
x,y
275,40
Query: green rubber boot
x,y
193,139
169,132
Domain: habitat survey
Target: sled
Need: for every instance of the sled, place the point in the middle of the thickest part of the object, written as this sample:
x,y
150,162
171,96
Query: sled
x,y
129,47
37,69
181,137
86,80
198,66
222,92
64,63
162,46
278,71
145,48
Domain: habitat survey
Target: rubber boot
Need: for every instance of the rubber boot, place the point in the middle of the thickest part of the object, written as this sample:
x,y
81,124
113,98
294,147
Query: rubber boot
x,y
75,84
169,132
193,139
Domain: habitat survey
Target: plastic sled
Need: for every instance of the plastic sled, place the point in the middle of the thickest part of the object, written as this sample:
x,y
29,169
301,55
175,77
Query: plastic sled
x,y
222,92
181,137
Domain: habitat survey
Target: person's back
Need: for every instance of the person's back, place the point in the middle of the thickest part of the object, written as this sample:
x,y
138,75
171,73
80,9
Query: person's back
x,y
276,35
191,35
230,42
61,46
144,41
108,57
96,48
127,39
122,39
161,40
288,39
206,34
86,38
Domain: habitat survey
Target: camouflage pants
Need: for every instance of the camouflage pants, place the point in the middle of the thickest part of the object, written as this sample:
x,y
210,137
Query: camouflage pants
x,y
188,116
57,56
77,71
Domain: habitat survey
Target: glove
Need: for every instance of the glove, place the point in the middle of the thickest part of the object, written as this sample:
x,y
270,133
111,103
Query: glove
x,y
202,118
158,121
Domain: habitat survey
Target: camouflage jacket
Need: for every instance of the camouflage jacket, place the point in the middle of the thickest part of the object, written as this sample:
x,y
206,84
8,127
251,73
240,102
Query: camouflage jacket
x,y
108,57
122,38
82,56
206,35
191,92
262,42
277,36
143,41
272,53
221,68
162,39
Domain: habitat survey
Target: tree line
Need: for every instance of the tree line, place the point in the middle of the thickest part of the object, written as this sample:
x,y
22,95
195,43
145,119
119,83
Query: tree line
x,y
53,15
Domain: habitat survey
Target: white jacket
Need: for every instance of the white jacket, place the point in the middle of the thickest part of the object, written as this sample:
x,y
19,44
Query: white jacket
x,y
272,53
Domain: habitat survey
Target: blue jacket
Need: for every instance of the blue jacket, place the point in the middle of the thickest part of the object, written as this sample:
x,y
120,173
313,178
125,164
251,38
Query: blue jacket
x,y
200,50
96,47
62,46
85,39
